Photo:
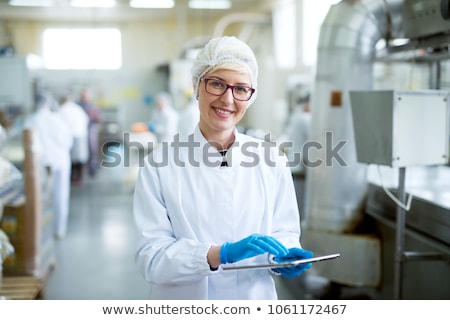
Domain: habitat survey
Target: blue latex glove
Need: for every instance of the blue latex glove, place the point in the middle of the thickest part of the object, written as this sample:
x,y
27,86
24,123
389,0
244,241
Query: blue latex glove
x,y
294,254
151,127
249,247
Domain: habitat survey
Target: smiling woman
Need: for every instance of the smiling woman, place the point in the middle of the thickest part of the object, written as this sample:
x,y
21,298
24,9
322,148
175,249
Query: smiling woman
x,y
82,49
194,214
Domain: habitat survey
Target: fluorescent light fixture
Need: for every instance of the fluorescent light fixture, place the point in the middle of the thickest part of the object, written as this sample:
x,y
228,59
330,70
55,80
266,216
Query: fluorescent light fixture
x,y
209,4
31,3
93,3
152,4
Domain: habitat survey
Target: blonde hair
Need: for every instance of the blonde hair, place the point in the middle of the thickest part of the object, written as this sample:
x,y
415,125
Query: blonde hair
x,y
230,66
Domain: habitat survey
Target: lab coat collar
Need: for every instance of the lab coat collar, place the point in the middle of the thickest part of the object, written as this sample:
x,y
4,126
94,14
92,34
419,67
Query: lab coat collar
x,y
207,150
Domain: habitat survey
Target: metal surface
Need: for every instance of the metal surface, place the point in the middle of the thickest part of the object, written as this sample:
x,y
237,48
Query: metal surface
x,y
400,236
429,215
424,280
422,256
427,224
335,191
424,17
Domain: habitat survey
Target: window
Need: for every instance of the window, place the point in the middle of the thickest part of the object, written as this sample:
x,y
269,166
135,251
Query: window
x,y
284,25
82,49
314,13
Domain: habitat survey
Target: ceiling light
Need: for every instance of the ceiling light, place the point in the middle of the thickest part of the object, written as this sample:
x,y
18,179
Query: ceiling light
x,y
154,4
31,3
93,3
209,4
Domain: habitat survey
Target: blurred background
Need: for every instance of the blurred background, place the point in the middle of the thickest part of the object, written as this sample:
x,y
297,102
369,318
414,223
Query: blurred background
x,y
366,79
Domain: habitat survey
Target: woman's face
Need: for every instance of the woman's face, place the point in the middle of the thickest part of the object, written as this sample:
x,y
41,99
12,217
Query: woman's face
x,y
219,114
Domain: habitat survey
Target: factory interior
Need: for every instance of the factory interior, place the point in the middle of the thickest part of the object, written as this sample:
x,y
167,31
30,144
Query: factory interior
x,y
375,73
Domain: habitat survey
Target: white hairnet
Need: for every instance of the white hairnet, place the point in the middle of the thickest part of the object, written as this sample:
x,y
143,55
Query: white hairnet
x,y
225,50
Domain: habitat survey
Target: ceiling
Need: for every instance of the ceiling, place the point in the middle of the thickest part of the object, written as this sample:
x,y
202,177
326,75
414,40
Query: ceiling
x,y
122,11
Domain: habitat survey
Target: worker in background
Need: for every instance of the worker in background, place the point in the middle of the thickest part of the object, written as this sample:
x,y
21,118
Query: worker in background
x,y
164,121
77,120
298,132
188,116
205,202
55,146
93,130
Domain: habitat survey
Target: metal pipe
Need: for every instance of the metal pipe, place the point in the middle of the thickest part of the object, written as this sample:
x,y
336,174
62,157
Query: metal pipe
x,y
253,18
335,191
435,74
400,235
422,256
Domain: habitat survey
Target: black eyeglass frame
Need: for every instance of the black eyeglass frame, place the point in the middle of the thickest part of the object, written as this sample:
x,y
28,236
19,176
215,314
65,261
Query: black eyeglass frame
x,y
205,80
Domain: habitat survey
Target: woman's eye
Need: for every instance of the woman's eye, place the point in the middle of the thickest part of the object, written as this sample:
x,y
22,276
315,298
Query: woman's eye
x,y
242,89
217,84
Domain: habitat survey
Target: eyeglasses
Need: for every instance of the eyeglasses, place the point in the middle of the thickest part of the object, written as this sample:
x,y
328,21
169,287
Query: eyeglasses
x,y
218,88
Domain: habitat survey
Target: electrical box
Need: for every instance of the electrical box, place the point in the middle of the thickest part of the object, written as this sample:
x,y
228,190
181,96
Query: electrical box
x,y
401,128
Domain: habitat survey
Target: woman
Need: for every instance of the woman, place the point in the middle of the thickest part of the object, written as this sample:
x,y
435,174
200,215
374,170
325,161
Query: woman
x,y
56,142
77,120
93,130
213,198
164,118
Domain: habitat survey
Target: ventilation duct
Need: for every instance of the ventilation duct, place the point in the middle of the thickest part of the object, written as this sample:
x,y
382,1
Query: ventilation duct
x,y
336,188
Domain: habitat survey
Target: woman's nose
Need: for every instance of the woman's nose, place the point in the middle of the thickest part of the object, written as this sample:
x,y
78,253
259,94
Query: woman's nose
x,y
228,95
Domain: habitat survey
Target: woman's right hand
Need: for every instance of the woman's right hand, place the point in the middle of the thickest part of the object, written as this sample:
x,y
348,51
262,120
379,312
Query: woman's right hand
x,y
251,246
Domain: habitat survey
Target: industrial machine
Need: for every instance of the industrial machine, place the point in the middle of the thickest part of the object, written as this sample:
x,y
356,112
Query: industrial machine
x,y
362,46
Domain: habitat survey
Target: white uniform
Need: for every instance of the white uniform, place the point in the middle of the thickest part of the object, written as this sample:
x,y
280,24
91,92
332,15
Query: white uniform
x,y
181,212
298,132
56,141
165,123
188,118
77,120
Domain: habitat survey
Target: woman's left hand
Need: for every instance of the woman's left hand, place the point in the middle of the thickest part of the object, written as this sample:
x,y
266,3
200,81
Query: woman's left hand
x,y
294,254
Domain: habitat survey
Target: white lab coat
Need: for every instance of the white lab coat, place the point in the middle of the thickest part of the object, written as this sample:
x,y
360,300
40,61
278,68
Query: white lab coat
x,y
188,118
180,212
55,140
298,132
165,122
77,120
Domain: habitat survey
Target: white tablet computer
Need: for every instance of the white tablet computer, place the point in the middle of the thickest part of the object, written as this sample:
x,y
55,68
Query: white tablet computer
x,y
292,263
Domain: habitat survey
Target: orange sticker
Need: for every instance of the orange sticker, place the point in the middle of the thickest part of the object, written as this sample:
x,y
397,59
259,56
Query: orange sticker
x,y
336,98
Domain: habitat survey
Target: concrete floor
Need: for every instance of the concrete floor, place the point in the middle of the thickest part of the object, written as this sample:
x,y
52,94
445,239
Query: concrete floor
x,y
95,259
